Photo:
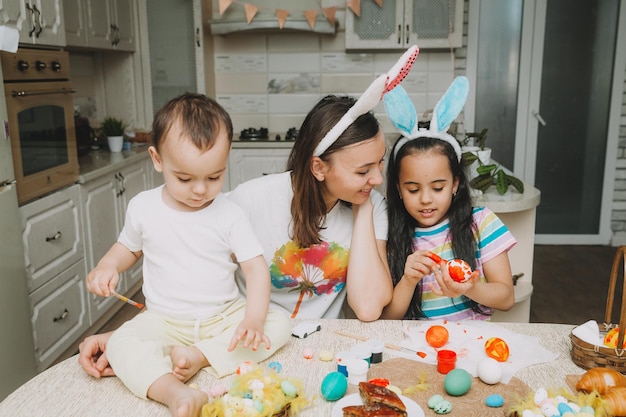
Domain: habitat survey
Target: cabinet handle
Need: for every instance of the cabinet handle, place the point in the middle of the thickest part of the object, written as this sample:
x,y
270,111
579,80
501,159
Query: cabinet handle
x,y
39,22
63,316
408,33
33,22
198,37
399,34
121,182
56,236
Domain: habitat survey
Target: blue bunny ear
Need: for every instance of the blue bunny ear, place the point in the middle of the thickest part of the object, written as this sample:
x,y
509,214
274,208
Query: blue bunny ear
x,y
450,105
401,111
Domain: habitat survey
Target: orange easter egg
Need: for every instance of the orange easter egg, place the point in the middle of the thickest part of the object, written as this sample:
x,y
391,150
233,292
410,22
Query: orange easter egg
x,y
497,348
610,340
437,336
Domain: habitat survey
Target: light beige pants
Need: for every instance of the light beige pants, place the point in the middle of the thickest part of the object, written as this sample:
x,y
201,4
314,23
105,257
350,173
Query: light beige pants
x,y
139,351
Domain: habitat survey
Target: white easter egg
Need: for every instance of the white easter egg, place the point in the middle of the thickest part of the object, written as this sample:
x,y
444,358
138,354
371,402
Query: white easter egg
x,y
489,371
528,413
540,395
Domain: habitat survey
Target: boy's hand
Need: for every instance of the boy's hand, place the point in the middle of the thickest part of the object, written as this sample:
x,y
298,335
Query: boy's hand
x,y
102,280
251,334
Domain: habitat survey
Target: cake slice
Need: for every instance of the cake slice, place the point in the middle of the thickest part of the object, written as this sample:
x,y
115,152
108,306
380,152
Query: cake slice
x,y
372,394
374,410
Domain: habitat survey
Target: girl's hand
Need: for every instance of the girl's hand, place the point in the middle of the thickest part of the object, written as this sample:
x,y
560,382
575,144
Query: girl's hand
x,y
449,287
102,280
417,266
251,334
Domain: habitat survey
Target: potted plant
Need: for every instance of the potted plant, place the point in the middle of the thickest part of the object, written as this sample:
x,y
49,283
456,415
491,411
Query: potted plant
x,y
113,129
476,159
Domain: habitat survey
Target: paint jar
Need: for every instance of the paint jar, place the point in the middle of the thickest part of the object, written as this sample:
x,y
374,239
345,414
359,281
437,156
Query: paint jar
x,y
376,347
342,362
357,371
362,351
446,361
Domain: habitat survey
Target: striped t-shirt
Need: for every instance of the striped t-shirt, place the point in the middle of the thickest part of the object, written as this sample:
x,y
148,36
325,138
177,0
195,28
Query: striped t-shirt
x,y
492,238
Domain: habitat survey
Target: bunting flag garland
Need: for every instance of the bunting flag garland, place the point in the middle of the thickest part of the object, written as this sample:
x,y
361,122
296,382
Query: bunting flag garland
x,y
282,16
355,6
329,12
311,15
224,5
251,11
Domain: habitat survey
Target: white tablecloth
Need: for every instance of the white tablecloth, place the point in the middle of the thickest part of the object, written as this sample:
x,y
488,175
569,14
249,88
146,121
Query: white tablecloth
x,y
65,390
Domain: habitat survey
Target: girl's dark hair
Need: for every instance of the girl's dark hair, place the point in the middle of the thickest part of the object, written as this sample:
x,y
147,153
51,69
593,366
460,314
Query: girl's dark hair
x,y
308,209
402,225
200,117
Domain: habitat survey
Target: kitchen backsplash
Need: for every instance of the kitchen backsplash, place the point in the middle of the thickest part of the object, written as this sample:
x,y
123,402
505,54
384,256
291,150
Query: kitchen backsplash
x,y
271,80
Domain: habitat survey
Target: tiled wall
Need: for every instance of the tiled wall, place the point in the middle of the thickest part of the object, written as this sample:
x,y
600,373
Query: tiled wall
x,y
273,80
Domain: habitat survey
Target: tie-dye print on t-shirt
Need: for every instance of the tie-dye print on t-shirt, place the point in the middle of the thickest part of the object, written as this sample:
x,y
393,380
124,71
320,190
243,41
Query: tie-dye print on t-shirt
x,y
314,271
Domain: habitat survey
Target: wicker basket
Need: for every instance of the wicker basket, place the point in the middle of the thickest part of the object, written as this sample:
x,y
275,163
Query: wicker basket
x,y
587,355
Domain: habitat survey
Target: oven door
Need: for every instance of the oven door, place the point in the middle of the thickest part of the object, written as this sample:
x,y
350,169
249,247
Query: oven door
x,y
43,137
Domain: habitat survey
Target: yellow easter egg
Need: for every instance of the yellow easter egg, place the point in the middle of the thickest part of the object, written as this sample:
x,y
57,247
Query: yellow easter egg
x,y
610,340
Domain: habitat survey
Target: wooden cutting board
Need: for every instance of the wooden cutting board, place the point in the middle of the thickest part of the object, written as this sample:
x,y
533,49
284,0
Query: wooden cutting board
x,y
405,373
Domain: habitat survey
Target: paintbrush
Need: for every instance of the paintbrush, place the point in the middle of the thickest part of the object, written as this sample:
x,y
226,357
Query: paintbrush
x,y
127,300
387,345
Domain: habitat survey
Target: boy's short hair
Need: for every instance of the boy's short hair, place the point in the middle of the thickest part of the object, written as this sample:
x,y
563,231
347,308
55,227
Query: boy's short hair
x,y
200,118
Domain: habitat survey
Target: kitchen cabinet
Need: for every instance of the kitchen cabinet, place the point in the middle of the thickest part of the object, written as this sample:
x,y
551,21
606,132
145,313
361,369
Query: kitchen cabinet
x,y
39,22
53,252
247,163
101,24
104,200
401,23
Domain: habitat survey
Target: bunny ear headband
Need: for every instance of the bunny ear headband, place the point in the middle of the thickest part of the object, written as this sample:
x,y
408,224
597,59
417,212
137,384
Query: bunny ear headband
x,y
370,98
401,112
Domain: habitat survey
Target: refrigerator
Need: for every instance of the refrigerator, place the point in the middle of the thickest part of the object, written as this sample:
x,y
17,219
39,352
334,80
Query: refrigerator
x,y
17,351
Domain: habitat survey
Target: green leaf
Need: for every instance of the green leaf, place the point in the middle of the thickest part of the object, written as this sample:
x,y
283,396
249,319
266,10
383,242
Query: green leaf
x,y
482,182
501,182
516,183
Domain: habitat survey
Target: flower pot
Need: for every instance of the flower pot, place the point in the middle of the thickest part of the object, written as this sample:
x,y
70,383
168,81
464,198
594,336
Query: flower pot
x,y
115,143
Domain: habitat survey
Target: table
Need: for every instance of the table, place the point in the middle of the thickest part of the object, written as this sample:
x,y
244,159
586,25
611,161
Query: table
x,y
65,390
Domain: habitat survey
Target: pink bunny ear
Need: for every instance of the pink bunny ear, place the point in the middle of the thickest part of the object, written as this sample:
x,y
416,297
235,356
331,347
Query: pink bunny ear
x,y
399,71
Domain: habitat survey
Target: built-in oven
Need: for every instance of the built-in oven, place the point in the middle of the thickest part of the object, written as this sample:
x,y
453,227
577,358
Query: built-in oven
x,y
40,121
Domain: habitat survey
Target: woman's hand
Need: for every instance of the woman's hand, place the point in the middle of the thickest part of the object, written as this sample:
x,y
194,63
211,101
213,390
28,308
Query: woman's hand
x,y
92,357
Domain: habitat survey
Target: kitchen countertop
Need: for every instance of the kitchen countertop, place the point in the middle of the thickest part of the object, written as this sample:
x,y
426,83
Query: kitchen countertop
x,y
101,162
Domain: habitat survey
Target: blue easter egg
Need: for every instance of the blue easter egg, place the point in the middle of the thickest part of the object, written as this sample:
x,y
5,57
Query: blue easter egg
x,y
334,386
288,389
457,382
587,409
564,408
494,400
276,366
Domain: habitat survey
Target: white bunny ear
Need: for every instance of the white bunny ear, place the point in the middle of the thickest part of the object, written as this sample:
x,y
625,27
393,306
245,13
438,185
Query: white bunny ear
x,y
450,105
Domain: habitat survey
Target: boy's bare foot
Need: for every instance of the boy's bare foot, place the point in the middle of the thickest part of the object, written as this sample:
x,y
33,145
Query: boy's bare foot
x,y
187,361
182,400
189,404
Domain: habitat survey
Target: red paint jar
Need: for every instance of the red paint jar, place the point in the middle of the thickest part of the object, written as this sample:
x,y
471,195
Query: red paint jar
x,y
446,361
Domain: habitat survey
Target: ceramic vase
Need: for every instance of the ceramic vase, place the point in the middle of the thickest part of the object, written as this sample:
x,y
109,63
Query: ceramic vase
x,y
484,156
115,143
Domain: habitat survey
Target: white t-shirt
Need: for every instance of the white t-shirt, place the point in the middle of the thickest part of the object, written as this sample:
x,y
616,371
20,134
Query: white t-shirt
x,y
188,272
309,282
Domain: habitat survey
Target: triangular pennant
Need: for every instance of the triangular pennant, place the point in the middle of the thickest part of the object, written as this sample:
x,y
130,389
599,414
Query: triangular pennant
x,y
311,15
224,5
329,12
251,11
379,2
282,16
355,6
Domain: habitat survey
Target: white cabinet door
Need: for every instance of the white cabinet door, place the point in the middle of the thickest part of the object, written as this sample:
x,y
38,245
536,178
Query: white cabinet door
x,y
110,24
134,179
39,22
75,23
248,163
102,220
401,23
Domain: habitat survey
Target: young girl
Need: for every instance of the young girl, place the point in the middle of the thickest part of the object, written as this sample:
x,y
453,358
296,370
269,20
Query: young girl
x,y
430,210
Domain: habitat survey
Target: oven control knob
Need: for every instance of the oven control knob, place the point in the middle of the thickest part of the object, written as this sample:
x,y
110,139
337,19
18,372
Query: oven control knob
x,y
40,65
55,66
22,65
